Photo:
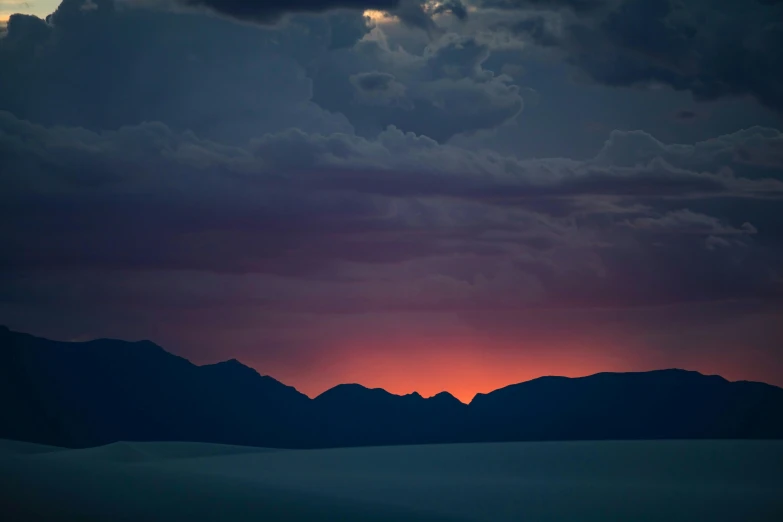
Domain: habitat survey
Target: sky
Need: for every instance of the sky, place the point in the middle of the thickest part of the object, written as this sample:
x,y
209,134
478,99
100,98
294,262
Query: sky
x,y
420,196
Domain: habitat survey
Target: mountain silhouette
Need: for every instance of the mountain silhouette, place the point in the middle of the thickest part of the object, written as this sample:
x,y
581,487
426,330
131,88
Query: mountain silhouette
x,y
90,393
352,415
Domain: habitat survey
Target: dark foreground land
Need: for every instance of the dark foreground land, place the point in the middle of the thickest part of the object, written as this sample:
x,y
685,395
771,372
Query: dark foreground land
x,y
638,481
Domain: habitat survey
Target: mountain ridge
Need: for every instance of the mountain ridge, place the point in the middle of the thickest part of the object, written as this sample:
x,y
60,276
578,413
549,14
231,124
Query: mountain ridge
x,y
80,394
235,361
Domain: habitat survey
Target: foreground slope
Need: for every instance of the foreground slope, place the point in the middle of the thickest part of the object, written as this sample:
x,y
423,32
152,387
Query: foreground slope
x,y
86,394
666,481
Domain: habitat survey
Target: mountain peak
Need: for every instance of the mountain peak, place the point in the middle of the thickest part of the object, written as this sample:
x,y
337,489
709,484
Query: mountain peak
x,y
232,362
231,365
349,390
445,397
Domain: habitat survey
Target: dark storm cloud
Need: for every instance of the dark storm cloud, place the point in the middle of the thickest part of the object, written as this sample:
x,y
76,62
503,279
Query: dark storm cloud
x,y
106,68
412,13
114,66
375,166
300,177
442,92
102,200
579,6
454,7
688,222
271,11
397,208
394,163
713,49
409,12
249,173
652,40
373,81
752,147
686,115
458,57
536,28
380,89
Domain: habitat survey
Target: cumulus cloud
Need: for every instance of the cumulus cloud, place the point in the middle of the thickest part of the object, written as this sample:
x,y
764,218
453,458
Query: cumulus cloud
x,y
117,66
454,7
757,146
447,91
687,222
377,88
126,63
322,206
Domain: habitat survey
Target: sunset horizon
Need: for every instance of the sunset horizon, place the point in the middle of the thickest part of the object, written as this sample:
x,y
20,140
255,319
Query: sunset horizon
x,y
421,260
426,377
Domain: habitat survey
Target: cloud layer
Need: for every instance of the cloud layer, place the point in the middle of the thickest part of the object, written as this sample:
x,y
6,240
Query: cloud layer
x,y
325,180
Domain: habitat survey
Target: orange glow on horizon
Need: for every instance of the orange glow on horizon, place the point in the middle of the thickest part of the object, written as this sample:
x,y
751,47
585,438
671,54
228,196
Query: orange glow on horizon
x,y
463,370
402,355
465,377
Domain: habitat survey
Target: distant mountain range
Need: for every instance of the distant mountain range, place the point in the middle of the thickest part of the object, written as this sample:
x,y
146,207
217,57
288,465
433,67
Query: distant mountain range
x,y
96,392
